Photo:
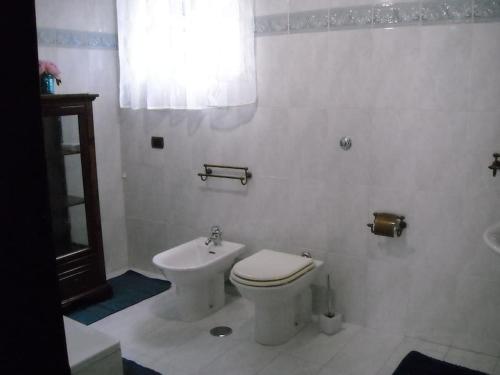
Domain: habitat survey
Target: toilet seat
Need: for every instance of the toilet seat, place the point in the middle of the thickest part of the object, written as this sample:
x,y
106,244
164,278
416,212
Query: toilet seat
x,y
270,268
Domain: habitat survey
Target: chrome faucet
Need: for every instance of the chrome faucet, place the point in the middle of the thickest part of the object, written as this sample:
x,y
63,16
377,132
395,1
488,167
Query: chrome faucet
x,y
306,254
496,164
215,236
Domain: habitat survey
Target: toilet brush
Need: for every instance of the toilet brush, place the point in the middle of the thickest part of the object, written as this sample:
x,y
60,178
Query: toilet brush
x,y
330,323
330,312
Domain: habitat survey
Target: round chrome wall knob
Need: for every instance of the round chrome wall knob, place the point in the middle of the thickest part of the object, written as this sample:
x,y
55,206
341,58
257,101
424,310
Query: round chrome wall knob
x,y
345,143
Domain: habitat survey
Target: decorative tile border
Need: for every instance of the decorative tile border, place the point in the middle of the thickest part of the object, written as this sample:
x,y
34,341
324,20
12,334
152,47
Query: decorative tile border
x,y
421,12
448,11
316,20
486,10
356,17
273,24
397,14
76,39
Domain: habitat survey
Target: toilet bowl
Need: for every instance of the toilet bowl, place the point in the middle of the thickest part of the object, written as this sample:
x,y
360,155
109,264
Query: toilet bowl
x,y
279,286
197,271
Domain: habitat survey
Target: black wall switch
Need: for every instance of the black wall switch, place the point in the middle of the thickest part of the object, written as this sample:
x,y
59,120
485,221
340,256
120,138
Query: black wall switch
x,y
157,142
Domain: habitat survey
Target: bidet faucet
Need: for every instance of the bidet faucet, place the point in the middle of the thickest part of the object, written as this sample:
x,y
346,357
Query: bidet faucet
x,y
215,236
496,164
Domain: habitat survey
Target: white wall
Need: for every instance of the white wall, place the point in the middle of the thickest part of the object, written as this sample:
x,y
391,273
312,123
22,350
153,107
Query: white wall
x,y
422,107
94,71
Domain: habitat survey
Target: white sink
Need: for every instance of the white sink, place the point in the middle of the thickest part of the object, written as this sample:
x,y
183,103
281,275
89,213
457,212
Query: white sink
x,y
492,237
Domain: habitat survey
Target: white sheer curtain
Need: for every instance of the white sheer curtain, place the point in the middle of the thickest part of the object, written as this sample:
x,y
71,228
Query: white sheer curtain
x,y
186,54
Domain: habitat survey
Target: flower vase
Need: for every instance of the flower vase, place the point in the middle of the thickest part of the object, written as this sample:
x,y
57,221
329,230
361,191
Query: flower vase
x,y
47,84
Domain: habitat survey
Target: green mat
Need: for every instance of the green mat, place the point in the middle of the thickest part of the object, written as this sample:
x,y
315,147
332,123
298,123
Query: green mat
x,y
128,289
132,368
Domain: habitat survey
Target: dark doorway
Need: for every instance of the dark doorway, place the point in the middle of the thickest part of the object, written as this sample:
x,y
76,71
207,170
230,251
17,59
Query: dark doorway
x,y
33,332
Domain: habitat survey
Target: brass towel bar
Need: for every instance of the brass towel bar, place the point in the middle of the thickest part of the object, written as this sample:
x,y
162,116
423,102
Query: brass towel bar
x,y
209,173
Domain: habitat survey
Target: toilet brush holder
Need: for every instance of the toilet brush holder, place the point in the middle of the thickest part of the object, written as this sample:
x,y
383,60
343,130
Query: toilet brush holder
x,y
330,323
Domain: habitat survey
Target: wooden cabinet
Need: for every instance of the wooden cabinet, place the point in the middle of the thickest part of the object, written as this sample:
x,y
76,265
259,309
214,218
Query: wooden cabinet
x,y
74,199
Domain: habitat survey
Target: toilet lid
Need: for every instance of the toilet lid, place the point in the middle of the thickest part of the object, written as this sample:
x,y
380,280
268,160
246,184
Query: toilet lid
x,y
270,268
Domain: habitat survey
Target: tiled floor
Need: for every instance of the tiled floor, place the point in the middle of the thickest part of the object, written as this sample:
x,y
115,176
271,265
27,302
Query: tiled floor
x,y
151,335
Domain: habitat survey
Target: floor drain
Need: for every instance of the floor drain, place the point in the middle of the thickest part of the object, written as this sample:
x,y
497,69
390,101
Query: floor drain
x,y
221,331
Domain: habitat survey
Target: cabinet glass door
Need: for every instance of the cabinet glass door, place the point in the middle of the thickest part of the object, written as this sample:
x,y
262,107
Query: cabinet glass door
x,y
66,189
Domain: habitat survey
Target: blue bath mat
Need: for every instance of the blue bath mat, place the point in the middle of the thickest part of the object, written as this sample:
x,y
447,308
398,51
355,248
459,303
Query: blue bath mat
x,y
132,368
416,363
128,289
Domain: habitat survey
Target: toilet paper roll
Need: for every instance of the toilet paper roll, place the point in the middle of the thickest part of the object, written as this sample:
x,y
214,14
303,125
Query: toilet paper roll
x,y
385,224
383,227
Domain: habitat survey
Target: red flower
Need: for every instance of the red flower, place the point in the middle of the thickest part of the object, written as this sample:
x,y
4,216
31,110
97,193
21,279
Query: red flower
x,y
48,67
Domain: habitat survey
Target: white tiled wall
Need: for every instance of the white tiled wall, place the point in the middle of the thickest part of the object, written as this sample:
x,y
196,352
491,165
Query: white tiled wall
x,y
94,71
87,15
422,107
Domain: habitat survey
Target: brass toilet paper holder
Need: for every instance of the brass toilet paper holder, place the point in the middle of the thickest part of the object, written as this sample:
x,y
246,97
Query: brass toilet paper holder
x,y
387,224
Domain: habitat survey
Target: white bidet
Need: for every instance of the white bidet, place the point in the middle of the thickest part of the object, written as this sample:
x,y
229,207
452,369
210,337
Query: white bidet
x,y
197,270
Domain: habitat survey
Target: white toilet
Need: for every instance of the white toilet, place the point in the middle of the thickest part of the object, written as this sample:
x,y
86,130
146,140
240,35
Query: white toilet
x,y
279,285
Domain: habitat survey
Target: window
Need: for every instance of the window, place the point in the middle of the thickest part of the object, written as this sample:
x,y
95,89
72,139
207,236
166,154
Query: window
x,y
186,54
